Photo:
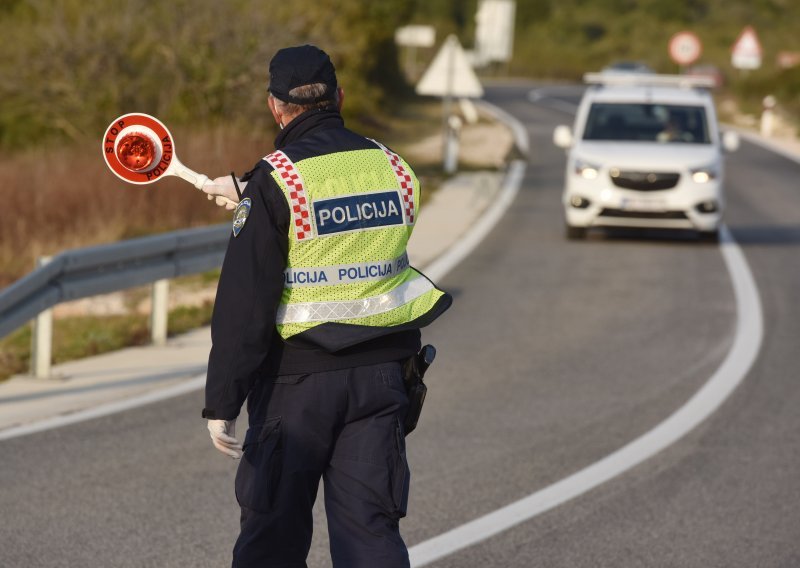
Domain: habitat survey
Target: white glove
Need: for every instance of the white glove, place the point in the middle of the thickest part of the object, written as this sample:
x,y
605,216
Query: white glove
x,y
223,192
223,436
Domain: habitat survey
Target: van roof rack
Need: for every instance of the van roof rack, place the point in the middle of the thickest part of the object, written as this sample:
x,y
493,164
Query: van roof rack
x,y
648,80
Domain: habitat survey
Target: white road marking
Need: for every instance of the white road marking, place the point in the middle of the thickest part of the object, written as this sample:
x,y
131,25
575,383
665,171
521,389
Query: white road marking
x,y
511,184
723,382
768,144
196,383
543,98
464,246
521,139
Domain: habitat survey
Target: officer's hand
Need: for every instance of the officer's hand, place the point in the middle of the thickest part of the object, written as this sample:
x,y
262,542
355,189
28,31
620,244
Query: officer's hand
x,y
223,435
223,192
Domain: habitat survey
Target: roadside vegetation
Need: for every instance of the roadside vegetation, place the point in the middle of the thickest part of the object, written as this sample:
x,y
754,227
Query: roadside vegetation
x,y
562,39
70,66
76,337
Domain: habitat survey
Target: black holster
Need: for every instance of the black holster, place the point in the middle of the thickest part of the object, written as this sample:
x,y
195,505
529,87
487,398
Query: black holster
x,y
413,371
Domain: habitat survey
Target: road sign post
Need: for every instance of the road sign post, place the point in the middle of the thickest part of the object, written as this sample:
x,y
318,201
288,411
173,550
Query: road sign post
x,y
449,75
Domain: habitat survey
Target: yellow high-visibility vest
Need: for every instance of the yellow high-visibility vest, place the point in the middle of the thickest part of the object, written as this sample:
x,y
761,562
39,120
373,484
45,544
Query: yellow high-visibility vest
x,y
352,214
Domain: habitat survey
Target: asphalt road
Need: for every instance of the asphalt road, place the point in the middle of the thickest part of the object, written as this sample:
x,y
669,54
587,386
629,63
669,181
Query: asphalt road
x,y
554,355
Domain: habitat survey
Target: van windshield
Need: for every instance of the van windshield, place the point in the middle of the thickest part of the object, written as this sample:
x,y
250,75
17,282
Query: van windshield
x,y
648,122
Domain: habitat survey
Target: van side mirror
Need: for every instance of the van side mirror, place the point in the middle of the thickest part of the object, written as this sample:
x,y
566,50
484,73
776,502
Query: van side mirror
x,y
562,136
730,141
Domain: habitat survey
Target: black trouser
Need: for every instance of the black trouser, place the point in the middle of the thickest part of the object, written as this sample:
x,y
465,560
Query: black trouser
x,y
346,427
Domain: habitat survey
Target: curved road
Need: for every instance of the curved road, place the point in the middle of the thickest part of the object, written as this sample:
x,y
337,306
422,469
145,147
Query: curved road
x,y
554,355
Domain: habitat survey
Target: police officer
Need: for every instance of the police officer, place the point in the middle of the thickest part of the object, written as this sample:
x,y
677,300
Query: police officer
x,y
317,308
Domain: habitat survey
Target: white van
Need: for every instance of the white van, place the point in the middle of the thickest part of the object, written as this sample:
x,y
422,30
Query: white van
x,y
645,151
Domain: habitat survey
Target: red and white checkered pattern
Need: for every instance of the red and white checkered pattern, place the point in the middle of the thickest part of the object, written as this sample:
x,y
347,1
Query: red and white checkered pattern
x,y
404,179
297,194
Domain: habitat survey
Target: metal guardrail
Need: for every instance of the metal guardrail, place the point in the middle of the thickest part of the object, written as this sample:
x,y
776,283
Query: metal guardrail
x,y
80,273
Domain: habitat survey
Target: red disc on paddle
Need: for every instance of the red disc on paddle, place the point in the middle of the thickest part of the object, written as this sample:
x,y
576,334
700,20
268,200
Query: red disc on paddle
x,y
138,148
136,151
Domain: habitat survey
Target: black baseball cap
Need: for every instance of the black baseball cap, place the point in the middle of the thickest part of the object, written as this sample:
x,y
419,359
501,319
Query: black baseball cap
x,y
294,67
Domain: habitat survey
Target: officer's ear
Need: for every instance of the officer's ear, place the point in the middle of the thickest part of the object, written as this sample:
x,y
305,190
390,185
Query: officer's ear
x,y
341,99
273,107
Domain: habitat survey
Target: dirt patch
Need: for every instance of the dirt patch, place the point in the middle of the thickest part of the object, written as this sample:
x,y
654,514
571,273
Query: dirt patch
x,y
484,144
136,301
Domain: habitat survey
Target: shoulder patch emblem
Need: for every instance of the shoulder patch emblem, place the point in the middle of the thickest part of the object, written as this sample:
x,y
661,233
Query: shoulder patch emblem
x,y
240,215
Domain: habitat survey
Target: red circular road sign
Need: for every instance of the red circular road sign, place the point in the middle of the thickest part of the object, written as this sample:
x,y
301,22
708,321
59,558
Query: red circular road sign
x,y
685,48
138,148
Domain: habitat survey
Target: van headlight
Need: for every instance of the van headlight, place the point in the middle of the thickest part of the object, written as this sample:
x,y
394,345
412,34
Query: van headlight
x,y
586,170
704,174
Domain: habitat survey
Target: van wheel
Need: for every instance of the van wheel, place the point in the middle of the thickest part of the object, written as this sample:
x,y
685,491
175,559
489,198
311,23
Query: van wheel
x,y
575,233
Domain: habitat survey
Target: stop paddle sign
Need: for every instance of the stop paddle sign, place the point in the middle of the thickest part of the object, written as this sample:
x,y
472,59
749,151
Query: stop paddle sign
x,y
139,149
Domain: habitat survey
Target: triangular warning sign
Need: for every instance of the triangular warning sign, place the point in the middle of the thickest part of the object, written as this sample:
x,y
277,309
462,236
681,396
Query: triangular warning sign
x,y
746,52
450,73
748,43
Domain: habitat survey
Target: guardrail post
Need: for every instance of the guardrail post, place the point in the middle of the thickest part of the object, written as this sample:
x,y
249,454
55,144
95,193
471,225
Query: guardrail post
x,y
159,312
42,338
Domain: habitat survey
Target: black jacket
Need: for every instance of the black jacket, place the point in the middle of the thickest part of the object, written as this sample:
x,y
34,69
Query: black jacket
x,y
245,342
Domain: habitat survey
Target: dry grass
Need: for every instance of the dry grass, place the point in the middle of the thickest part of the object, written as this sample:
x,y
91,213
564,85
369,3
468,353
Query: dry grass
x,y
58,198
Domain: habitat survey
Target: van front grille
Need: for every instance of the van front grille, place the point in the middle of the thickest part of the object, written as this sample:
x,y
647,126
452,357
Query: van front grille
x,y
644,181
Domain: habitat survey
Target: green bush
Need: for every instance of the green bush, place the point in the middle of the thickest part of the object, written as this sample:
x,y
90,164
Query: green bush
x,y
70,66
84,336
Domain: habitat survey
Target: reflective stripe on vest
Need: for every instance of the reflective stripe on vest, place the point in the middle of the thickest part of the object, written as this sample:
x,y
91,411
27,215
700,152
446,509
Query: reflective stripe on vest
x,y
301,216
344,273
403,180
344,310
